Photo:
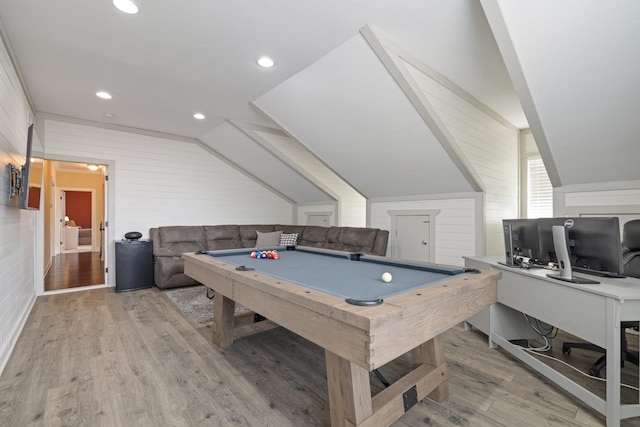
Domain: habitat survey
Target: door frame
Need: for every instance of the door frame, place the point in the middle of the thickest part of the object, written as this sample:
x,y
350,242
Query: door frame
x,y
109,220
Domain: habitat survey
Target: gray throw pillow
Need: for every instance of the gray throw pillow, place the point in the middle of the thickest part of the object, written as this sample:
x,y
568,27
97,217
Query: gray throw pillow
x,y
266,240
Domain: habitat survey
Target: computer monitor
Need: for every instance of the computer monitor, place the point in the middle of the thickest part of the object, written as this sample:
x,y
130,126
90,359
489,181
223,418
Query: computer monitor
x,y
593,244
520,241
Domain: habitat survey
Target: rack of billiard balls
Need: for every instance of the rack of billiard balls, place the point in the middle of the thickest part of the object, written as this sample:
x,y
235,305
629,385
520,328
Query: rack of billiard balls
x,y
269,254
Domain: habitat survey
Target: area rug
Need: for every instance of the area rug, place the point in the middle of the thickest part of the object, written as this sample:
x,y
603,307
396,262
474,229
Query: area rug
x,y
194,303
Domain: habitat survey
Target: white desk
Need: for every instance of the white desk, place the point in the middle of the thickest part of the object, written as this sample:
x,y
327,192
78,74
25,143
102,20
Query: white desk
x,y
591,312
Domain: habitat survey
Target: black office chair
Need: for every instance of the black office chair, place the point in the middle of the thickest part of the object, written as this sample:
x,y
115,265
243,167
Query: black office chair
x,y
631,260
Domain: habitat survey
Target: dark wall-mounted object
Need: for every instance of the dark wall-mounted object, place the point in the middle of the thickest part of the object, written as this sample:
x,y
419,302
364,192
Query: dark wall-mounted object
x,y
22,183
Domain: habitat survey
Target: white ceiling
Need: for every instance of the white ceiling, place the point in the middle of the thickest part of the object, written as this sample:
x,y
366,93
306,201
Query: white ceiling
x,y
576,67
176,58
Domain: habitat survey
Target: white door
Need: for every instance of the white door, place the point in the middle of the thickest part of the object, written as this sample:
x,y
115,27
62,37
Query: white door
x,y
412,238
318,219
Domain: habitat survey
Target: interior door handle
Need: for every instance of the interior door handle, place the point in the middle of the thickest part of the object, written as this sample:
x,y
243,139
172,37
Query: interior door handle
x,y
424,242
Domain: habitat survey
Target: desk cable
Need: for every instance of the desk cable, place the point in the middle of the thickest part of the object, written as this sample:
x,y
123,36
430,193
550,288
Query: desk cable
x,y
534,351
539,328
536,325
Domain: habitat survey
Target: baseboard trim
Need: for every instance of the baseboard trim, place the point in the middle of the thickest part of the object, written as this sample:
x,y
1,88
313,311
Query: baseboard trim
x,y
7,348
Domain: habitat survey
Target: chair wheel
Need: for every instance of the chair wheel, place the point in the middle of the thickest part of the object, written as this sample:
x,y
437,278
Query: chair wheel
x,y
566,350
594,373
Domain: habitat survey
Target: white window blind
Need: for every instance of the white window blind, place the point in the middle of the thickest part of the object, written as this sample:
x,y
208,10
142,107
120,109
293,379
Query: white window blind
x,y
539,190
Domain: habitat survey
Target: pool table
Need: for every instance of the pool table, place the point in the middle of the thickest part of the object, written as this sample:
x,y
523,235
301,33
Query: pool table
x,y
318,293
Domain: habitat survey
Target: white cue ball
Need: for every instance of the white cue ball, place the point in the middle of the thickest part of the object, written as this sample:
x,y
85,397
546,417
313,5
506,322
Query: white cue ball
x,y
386,277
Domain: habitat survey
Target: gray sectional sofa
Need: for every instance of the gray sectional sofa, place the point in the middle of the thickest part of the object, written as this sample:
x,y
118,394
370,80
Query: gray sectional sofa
x,y
170,242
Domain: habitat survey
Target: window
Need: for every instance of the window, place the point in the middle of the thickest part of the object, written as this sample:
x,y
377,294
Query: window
x,y
539,190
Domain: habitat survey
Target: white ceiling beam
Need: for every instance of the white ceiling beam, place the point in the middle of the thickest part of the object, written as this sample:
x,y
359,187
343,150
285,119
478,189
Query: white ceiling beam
x,y
387,53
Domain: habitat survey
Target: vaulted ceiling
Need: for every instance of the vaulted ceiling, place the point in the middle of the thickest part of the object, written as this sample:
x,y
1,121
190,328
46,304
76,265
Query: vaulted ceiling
x,y
569,70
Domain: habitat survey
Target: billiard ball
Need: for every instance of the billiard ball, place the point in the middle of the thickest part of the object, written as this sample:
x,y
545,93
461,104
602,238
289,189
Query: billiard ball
x,y
386,277
254,254
276,255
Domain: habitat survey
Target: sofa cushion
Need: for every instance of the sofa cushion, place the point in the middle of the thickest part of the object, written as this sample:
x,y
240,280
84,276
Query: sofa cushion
x,y
266,240
182,238
222,237
313,235
354,239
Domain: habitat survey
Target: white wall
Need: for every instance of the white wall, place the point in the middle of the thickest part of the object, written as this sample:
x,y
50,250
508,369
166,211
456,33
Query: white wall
x,y
157,181
456,227
166,182
621,199
17,227
490,146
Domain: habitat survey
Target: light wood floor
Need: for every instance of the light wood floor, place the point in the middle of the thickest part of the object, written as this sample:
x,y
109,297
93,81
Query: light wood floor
x,y
97,358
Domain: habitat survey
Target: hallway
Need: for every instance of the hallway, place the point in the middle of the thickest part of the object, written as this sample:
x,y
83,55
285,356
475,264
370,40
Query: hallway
x,y
72,270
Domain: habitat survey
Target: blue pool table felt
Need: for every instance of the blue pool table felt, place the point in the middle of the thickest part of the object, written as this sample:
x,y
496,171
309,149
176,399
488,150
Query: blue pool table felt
x,y
335,273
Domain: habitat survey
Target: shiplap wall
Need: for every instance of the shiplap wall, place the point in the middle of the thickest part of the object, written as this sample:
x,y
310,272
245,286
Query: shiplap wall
x,y
621,199
17,227
489,144
166,182
456,224
158,181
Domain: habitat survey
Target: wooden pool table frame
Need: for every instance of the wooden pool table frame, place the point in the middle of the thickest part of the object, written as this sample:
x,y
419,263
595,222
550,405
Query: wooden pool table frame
x,y
356,339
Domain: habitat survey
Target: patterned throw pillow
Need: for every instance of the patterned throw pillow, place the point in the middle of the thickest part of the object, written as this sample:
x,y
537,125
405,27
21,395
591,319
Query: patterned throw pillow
x,y
288,239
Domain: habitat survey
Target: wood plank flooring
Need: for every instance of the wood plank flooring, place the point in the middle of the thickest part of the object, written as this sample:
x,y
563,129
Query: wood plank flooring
x,y
100,358
74,269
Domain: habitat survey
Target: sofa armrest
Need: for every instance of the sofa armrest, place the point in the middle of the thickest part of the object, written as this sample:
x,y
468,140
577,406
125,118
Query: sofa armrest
x,y
381,242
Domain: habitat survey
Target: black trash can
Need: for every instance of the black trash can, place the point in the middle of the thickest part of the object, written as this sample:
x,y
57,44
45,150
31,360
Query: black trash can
x,y
134,265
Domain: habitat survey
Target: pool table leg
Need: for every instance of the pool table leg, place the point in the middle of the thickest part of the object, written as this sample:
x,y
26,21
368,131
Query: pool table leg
x,y
223,320
349,391
431,353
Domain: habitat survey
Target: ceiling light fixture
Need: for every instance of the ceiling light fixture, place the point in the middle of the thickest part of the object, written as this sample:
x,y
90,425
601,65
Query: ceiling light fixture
x,y
199,116
265,62
126,6
104,95
109,116
93,167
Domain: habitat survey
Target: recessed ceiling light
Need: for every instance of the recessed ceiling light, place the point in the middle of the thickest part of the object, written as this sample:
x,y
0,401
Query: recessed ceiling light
x,y
126,6
103,95
265,62
93,167
199,116
109,115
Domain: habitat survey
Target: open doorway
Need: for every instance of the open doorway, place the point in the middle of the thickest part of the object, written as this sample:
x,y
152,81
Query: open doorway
x,y
75,229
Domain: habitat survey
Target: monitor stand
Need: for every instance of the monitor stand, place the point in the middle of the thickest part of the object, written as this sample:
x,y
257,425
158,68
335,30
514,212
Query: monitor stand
x,y
560,244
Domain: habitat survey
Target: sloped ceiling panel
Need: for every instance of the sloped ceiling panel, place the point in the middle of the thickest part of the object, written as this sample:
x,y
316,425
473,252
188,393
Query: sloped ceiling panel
x,y
575,66
287,148
347,109
239,149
